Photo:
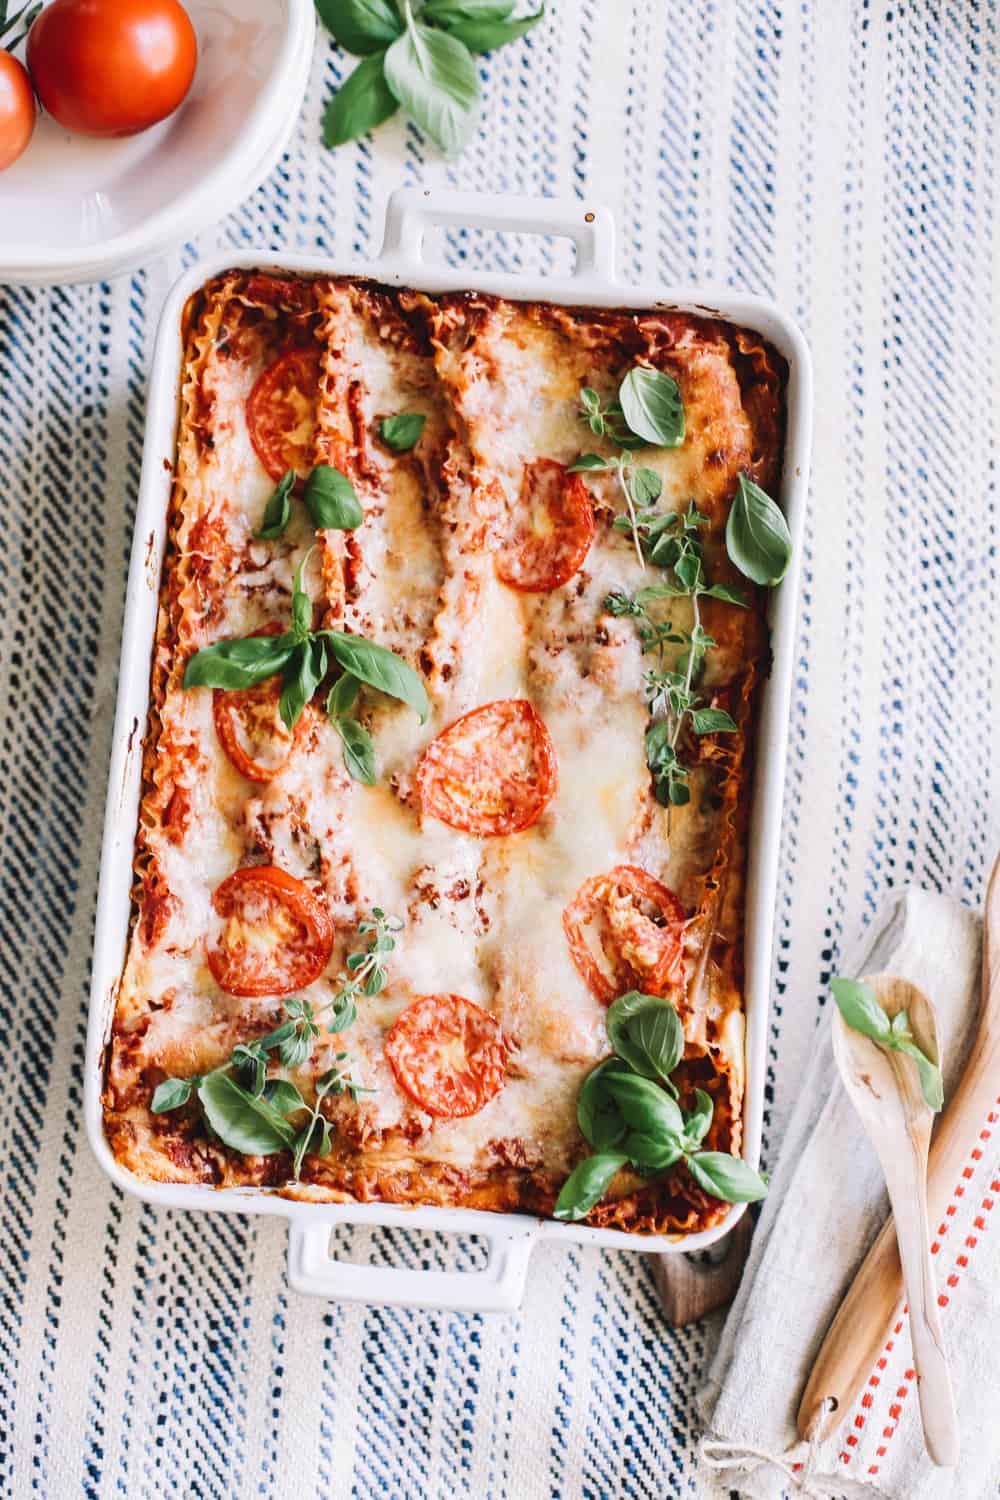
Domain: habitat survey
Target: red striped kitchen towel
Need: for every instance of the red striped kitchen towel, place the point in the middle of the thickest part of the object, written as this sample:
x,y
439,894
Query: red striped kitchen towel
x,y
826,1205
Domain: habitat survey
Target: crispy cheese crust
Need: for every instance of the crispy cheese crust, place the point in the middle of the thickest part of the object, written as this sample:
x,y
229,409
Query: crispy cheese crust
x,y
498,382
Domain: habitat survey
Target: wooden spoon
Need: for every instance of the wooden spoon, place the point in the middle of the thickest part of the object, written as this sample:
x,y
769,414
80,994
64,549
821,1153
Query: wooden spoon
x,y
884,1088
858,1333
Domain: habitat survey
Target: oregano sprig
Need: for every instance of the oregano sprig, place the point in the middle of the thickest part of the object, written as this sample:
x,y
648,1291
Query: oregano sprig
x,y
250,1109
648,411
628,1110
673,542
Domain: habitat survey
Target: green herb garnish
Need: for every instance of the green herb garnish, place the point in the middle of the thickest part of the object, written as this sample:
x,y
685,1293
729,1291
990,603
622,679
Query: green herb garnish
x,y
757,535
302,656
860,1008
278,510
400,433
250,1110
628,1110
417,57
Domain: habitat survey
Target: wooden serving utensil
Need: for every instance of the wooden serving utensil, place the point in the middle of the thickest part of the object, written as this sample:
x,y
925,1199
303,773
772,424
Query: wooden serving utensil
x,y
858,1333
884,1088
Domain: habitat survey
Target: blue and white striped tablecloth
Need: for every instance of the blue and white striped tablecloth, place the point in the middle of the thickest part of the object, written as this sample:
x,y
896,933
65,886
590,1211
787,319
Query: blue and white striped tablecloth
x,y
838,154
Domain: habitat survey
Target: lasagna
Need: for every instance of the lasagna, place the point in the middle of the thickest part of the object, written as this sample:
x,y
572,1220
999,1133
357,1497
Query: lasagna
x,y
514,836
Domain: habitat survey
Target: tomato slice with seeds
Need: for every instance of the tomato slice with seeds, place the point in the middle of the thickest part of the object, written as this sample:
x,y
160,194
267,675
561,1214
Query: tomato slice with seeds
x,y
491,772
281,412
552,529
448,1054
250,727
276,935
626,932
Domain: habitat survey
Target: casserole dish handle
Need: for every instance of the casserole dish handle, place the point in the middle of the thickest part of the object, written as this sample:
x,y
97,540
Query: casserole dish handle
x,y
411,211
499,1287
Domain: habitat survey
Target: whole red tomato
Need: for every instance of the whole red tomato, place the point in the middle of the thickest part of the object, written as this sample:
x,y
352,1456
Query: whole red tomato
x,y
112,67
17,109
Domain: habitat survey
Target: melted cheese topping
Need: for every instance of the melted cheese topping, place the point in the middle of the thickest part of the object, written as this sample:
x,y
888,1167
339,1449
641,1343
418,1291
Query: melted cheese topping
x,y
498,384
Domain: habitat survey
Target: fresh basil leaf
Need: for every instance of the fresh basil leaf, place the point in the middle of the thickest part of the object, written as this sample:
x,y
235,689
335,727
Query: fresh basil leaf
x,y
652,406
379,668
361,26
444,12
653,1152
302,615
304,675
400,433
757,537
278,510
246,1123
859,1006
435,80
598,1115
726,1177
646,1031
646,1107
587,462
697,1123
331,500
171,1094
363,101
283,1095
730,596
486,36
342,696
931,1083
240,663
295,1050
587,1183
359,751
647,486
252,1063
713,721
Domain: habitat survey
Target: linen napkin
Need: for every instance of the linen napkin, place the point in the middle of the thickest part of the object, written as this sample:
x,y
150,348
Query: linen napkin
x,y
826,1205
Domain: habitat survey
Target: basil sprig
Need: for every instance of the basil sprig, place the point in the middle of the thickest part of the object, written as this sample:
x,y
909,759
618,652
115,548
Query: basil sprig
x,y
417,57
628,1111
860,1008
329,497
301,656
249,1109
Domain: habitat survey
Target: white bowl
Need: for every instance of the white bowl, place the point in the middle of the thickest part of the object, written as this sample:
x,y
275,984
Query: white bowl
x,y
78,209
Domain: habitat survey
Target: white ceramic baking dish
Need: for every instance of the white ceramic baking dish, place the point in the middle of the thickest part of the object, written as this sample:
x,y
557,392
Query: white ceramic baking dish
x,y
402,262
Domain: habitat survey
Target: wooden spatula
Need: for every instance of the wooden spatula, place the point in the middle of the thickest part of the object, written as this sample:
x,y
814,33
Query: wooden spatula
x,y
858,1333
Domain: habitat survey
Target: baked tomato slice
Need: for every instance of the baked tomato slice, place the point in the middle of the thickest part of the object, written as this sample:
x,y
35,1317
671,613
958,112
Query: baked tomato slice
x,y
281,412
448,1055
276,935
250,727
626,932
491,772
551,532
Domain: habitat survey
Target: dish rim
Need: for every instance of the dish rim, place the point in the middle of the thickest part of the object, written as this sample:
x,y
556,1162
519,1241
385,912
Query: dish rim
x,y
409,213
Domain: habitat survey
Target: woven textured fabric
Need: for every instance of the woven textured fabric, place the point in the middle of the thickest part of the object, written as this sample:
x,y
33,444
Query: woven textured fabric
x,y
836,154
